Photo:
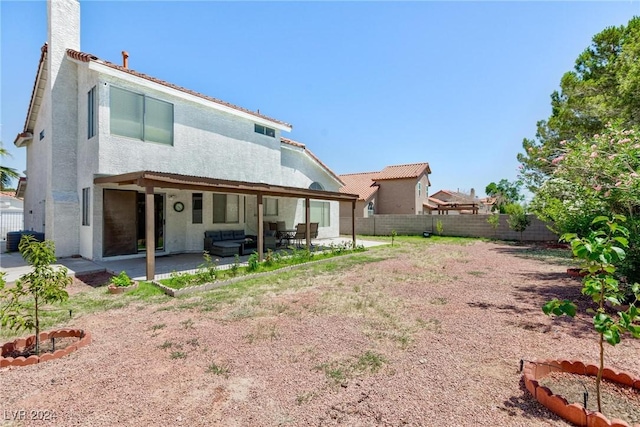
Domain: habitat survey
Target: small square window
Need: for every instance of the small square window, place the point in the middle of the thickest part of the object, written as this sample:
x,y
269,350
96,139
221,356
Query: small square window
x,y
264,130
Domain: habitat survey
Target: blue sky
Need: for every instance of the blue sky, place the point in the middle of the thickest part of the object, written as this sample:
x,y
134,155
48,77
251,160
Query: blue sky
x,y
364,84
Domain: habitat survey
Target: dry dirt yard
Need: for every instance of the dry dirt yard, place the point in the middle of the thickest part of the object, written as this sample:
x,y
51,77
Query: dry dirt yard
x,y
420,334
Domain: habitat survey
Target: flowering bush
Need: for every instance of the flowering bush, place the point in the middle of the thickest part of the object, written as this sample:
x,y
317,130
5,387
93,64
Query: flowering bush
x,y
594,176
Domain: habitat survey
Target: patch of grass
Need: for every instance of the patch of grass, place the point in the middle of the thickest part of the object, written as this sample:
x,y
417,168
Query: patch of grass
x,y
218,369
431,324
305,397
193,342
280,308
187,324
370,361
178,355
158,326
438,301
340,371
165,345
262,332
418,239
477,273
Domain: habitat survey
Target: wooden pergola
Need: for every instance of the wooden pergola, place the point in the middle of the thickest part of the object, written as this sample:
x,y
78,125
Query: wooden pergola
x,y
151,180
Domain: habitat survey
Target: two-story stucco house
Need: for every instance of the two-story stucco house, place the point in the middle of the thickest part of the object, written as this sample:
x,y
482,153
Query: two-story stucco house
x,y
119,161
397,189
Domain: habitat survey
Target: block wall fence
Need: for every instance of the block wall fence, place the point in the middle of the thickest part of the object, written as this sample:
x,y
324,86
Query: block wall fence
x,y
452,225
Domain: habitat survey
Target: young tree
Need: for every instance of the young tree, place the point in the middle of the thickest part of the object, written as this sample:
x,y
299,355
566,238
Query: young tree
x,y
603,87
600,252
518,220
20,305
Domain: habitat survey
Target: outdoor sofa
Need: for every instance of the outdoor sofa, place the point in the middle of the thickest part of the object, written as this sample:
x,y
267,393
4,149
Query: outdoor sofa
x,y
235,242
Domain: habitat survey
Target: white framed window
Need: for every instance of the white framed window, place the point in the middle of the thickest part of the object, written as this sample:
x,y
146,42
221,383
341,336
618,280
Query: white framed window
x,y
321,213
316,186
419,189
86,206
226,208
91,113
264,130
270,207
138,116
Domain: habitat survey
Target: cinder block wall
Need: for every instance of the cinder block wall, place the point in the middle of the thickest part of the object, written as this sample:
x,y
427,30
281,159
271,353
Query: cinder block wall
x,y
452,225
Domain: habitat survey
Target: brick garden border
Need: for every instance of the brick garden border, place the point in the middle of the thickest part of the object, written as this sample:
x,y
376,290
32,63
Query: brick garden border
x,y
85,339
574,413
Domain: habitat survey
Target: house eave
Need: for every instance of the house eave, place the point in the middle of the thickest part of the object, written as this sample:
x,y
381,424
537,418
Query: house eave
x,y
198,183
23,139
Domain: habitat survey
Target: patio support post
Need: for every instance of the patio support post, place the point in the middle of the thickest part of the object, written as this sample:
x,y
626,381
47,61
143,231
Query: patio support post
x,y
260,236
307,214
353,223
150,225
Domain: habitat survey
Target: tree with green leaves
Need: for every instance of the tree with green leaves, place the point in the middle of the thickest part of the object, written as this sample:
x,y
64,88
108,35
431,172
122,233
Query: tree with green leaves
x,y
20,305
600,251
594,176
518,220
603,88
505,193
6,173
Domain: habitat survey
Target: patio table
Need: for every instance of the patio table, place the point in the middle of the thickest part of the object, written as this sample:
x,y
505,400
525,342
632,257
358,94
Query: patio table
x,y
286,235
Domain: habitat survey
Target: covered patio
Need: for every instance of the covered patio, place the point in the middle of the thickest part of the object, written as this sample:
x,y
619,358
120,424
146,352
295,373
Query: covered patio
x,y
151,181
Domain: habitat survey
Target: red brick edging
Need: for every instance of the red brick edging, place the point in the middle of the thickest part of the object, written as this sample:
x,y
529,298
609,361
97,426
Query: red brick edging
x,y
574,413
85,339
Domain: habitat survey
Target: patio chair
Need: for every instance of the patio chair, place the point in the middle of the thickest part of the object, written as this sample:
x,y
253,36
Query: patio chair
x,y
301,233
314,230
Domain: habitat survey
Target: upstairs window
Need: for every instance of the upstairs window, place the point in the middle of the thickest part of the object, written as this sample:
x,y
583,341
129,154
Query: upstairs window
x,y
316,186
264,130
419,189
91,113
138,116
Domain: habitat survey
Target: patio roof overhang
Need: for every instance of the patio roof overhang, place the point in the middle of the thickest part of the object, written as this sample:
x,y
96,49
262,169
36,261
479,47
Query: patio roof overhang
x,y
197,183
150,180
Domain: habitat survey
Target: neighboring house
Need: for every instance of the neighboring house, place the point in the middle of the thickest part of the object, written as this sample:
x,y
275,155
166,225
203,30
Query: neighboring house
x,y
11,213
445,202
398,189
117,159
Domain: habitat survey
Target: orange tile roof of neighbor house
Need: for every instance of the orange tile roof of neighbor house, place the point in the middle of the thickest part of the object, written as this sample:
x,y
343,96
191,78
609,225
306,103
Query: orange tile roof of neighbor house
x,y
413,170
361,184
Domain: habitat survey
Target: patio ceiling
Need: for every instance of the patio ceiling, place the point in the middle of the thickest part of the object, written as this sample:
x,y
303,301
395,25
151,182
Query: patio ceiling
x,y
197,183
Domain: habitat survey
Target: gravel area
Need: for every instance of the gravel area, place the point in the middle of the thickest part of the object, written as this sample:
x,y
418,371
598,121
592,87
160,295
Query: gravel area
x,y
417,334
617,401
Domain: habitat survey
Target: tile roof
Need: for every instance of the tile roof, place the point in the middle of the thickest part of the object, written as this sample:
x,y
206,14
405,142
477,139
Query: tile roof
x,y
454,197
87,57
413,170
8,194
361,184
313,156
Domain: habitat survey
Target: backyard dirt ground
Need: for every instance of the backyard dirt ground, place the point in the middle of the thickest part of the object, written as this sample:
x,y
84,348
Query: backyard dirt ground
x,y
418,334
